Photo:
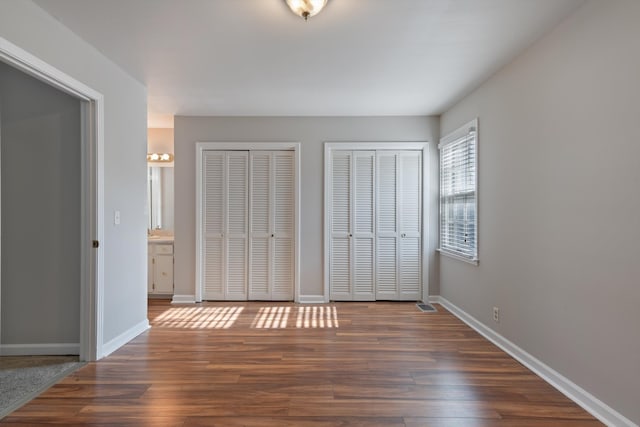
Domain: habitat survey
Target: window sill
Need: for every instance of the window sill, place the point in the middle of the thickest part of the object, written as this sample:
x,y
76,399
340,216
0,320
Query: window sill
x,y
458,257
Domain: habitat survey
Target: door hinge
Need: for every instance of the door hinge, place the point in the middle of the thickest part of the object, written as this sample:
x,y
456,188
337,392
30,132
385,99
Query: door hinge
x,y
96,244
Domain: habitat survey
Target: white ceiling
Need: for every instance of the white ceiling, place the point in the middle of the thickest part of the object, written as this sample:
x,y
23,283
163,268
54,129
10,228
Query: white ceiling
x,y
357,57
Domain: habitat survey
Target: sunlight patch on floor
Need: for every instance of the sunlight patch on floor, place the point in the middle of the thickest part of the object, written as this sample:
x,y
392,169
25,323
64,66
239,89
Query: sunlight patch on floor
x,y
317,317
305,317
199,317
271,317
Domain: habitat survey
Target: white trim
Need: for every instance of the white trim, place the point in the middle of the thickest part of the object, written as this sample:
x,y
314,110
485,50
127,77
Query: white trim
x,y
51,349
384,145
312,299
426,218
124,337
247,146
183,299
456,135
326,212
92,227
459,133
586,400
453,255
297,218
390,145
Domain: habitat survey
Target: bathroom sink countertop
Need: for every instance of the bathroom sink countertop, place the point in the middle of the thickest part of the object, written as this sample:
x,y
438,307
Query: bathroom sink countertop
x,y
160,239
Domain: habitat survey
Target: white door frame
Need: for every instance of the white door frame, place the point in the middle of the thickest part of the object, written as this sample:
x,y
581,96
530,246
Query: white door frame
x,y
92,188
248,146
394,146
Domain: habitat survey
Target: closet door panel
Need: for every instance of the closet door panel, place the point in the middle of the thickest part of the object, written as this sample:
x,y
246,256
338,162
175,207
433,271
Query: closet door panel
x,y
340,260
259,288
341,194
411,193
213,270
260,225
282,285
213,201
340,269
282,226
410,225
387,195
237,224
363,272
410,269
363,225
236,270
284,197
386,268
387,226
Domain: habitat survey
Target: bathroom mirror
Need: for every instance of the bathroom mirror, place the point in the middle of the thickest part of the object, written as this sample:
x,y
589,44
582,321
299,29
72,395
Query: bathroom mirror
x,y
160,197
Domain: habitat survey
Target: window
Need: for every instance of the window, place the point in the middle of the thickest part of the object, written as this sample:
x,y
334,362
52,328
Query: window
x,y
458,196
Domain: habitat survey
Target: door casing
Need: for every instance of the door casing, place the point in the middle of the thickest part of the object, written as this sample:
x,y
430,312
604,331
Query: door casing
x,y
92,191
248,146
393,146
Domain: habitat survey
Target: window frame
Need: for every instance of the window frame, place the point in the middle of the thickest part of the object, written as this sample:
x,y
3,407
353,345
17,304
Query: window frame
x,y
454,137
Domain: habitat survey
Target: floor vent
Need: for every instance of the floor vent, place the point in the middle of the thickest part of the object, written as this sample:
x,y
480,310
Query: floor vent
x,y
427,308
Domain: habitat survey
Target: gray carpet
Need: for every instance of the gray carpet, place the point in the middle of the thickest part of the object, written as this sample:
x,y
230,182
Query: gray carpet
x,y
24,377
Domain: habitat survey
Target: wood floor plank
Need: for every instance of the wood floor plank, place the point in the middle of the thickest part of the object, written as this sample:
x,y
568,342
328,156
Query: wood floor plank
x,y
381,364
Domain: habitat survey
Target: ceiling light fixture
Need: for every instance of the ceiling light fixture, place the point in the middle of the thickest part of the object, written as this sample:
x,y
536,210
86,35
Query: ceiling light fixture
x,y
306,8
160,157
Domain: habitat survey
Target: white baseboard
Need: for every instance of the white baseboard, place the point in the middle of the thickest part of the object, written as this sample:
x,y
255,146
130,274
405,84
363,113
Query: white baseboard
x,y
123,338
183,299
53,349
586,400
311,299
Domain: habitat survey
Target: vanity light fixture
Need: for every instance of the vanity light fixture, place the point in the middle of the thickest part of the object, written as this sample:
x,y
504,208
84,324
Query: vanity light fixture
x,y
160,157
306,8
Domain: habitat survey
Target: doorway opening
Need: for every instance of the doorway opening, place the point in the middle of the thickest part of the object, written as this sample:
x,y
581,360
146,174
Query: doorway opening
x,y
84,202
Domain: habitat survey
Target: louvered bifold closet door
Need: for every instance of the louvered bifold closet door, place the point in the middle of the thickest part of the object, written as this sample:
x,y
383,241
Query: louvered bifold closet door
x,y
399,225
340,262
271,225
236,216
387,233
410,225
363,225
213,224
283,226
260,226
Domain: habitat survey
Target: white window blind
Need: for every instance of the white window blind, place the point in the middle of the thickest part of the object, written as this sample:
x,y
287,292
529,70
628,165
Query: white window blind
x,y
458,196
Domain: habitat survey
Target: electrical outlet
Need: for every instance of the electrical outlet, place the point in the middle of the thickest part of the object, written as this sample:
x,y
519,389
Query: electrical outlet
x,y
496,314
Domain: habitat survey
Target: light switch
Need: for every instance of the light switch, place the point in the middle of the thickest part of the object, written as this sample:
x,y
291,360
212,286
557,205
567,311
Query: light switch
x,y
116,217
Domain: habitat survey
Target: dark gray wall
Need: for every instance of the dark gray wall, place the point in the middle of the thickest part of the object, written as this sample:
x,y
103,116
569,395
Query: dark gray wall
x,y
40,175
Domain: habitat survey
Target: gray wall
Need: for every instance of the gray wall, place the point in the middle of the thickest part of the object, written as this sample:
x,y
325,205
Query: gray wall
x,y
40,152
559,202
29,27
311,132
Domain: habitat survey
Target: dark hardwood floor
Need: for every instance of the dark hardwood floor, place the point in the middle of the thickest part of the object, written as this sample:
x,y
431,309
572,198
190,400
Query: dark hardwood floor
x,y
277,364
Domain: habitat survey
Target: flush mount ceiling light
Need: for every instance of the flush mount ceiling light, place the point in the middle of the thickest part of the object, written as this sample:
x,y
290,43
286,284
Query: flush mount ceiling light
x,y
306,8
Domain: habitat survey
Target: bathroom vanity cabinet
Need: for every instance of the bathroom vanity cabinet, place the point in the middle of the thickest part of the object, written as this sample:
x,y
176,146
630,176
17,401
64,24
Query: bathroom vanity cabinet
x,y
160,275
